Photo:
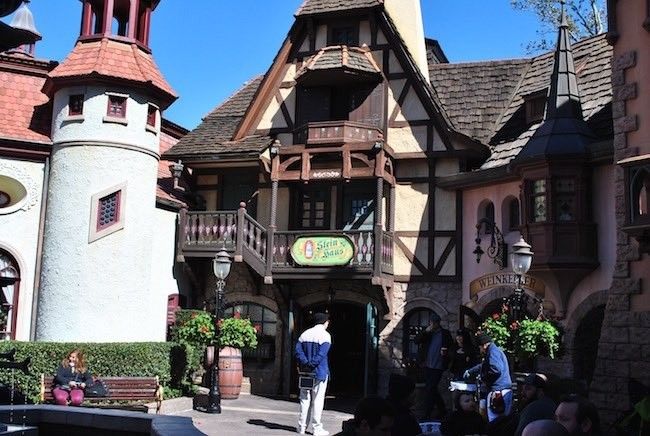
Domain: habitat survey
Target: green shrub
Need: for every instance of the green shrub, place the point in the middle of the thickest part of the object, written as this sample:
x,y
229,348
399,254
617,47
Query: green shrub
x,y
167,360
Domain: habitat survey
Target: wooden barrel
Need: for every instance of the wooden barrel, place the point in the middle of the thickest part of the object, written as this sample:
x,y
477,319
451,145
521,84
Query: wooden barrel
x,y
230,373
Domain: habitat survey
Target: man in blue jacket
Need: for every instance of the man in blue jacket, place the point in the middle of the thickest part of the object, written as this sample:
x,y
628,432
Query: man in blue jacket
x,y
311,353
495,377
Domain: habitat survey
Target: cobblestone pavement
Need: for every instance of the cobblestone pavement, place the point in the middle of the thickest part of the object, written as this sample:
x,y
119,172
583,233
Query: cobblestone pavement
x,y
261,416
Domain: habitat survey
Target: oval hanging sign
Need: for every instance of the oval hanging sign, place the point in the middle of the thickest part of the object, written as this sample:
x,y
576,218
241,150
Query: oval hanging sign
x,y
322,250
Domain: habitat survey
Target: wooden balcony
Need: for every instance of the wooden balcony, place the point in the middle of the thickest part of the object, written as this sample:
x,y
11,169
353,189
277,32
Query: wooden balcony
x,y
203,234
336,132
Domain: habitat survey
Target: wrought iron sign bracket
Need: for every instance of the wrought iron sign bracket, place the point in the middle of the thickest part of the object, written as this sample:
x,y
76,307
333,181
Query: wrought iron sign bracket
x,y
497,250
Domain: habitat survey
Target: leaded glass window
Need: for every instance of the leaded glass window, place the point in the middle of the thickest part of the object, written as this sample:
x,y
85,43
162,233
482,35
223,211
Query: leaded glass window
x,y
539,200
565,199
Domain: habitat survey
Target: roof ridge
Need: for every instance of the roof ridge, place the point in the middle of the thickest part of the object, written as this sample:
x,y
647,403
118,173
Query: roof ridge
x,y
515,92
478,63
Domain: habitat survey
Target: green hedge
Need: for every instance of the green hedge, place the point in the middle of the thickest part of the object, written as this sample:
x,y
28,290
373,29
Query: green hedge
x,y
167,360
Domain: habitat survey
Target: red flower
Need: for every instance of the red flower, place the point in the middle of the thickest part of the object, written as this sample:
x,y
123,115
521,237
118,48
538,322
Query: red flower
x,y
237,315
220,323
257,328
514,325
496,316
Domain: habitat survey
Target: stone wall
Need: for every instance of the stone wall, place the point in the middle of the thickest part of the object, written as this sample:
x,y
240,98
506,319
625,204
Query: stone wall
x,y
442,298
624,347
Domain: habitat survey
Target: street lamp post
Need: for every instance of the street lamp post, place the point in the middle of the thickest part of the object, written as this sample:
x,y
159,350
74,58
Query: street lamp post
x,y
221,268
520,259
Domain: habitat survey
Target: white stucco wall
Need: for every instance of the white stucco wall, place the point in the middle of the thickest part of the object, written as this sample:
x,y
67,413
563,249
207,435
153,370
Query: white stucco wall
x,y
163,281
407,16
101,290
93,127
19,234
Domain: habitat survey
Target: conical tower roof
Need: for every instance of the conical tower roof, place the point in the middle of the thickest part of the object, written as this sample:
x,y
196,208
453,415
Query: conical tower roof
x,y
564,131
24,19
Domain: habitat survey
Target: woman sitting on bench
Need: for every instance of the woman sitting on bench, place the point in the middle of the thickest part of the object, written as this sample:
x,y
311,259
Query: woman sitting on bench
x,y
71,380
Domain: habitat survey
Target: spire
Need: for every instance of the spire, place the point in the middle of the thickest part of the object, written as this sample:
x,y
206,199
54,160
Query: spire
x,y
564,96
24,19
564,131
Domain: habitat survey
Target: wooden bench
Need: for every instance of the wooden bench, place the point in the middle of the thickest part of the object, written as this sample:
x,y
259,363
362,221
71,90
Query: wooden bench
x,y
131,389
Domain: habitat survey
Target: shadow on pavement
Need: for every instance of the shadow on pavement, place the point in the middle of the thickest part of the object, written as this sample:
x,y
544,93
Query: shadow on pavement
x,y
271,425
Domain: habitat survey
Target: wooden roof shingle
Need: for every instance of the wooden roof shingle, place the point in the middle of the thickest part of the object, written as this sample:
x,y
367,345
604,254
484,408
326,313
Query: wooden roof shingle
x,y
313,7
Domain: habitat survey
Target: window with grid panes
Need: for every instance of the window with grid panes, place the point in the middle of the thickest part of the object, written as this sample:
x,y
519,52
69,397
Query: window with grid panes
x,y
76,104
116,106
314,209
263,319
538,199
108,210
565,197
344,35
415,322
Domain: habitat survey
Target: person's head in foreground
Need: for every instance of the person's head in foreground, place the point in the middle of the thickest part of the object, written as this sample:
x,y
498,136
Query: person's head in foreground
x,y
465,401
578,415
401,390
75,361
374,417
533,389
484,340
545,427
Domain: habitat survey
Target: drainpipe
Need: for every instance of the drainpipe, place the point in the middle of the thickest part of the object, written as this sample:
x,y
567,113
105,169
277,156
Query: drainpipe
x,y
39,250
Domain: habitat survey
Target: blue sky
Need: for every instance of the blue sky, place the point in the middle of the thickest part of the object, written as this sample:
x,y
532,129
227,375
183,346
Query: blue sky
x,y
208,48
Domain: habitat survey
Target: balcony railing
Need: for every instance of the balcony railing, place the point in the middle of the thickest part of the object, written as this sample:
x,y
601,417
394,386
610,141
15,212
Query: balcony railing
x,y
202,234
336,132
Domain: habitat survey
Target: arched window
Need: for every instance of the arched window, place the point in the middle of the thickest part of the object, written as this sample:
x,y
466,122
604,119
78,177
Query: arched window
x,y
10,283
265,322
486,212
510,214
414,322
586,344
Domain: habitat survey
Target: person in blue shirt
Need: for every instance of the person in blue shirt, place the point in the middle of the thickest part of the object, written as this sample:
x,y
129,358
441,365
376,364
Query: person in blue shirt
x,y
495,377
435,348
312,349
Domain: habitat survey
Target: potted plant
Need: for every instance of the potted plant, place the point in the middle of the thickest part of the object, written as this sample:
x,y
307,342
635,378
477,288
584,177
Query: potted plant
x,y
195,329
524,340
234,334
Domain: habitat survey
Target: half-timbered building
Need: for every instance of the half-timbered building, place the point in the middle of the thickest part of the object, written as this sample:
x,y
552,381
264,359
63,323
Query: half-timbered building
x,y
362,136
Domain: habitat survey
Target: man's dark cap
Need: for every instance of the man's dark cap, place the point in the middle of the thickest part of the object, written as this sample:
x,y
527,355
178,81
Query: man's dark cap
x,y
400,386
483,338
320,318
435,317
537,380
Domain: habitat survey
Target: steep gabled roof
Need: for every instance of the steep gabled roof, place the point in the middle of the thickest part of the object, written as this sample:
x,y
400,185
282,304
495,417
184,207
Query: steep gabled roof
x,y
485,100
214,134
313,7
474,95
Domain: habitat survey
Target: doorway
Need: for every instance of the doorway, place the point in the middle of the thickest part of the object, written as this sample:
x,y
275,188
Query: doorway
x,y
352,363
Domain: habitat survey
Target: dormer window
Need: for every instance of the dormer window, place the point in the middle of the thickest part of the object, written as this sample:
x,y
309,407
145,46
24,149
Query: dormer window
x,y
344,34
565,199
76,105
535,107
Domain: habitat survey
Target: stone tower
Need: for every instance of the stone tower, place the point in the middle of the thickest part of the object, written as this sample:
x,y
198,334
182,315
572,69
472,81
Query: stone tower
x,y
107,101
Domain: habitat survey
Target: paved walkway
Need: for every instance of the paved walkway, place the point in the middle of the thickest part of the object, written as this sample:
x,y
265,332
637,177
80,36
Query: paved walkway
x,y
260,416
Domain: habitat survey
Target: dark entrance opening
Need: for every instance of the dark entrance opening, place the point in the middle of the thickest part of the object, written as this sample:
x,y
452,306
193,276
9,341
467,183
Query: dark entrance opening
x,y
585,344
347,356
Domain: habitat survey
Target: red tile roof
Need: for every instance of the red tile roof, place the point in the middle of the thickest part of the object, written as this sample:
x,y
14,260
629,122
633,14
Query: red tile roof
x,y
113,59
25,112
